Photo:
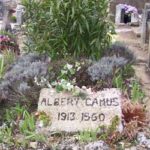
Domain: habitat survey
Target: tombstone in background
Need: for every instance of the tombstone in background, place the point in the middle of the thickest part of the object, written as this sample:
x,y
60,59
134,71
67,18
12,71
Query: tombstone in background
x,y
144,29
118,14
1,10
19,14
126,14
134,18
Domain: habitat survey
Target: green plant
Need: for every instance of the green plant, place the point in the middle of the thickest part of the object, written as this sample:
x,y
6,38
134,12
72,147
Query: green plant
x,y
42,116
9,57
27,125
62,27
13,114
87,136
118,82
5,33
13,19
6,60
64,82
18,119
2,67
136,92
6,136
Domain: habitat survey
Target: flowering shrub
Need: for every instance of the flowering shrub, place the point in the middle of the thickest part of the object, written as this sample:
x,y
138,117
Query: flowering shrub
x,y
8,43
129,9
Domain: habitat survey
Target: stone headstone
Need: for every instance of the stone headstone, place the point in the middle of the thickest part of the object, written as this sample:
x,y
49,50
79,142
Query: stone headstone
x,y
19,14
69,113
135,18
144,29
118,14
1,11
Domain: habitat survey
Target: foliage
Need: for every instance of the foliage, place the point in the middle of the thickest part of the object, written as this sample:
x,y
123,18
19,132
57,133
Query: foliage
x,y
136,92
63,82
62,28
2,67
27,125
8,42
133,112
18,82
9,57
105,67
42,116
118,82
122,78
6,60
120,50
13,19
18,120
87,136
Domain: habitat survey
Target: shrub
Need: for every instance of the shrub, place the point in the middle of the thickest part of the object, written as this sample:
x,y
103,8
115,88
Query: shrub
x,y
18,85
13,19
62,28
8,42
105,67
120,50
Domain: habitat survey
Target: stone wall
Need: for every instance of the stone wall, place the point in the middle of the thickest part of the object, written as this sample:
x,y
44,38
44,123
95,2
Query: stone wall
x,y
139,4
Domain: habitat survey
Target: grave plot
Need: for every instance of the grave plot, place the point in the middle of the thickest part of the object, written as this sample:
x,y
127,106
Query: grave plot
x,y
73,88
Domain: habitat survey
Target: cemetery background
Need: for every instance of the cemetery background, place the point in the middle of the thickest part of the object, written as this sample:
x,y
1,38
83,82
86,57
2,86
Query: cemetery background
x,y
24,77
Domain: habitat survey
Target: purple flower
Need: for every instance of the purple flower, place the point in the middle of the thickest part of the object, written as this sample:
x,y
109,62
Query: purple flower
x,y
129,8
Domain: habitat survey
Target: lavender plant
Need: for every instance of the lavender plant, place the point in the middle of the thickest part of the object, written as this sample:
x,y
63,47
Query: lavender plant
x,y
105,67
119,49
18,83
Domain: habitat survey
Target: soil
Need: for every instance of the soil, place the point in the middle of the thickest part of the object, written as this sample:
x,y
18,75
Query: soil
x,y
127,35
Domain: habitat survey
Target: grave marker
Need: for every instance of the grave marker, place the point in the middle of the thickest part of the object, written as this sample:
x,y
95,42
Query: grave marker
x,y
1,11
144,30
69,113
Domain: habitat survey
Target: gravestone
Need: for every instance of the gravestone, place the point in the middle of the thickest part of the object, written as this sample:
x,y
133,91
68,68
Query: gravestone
x,y
1,10
118,14
19,14
134,19
122,17
70,113
144,29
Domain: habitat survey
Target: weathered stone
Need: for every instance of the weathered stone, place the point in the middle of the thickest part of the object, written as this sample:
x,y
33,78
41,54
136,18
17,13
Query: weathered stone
x,y
99,145
19,14
1,10
144,30
118,14
69,113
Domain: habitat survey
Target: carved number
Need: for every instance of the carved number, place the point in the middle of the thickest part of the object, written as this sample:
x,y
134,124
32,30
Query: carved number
x,y
66,116
92,117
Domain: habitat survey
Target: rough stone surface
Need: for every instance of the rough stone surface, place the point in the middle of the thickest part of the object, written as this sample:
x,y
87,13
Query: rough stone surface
x,y
99,145
71,114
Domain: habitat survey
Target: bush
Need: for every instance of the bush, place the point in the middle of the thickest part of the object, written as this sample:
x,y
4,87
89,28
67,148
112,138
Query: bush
x,y
105,67
18,84
62,28
13,19
120,50
8,42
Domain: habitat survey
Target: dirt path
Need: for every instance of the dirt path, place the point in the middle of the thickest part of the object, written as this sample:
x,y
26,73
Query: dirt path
x,y
125,34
